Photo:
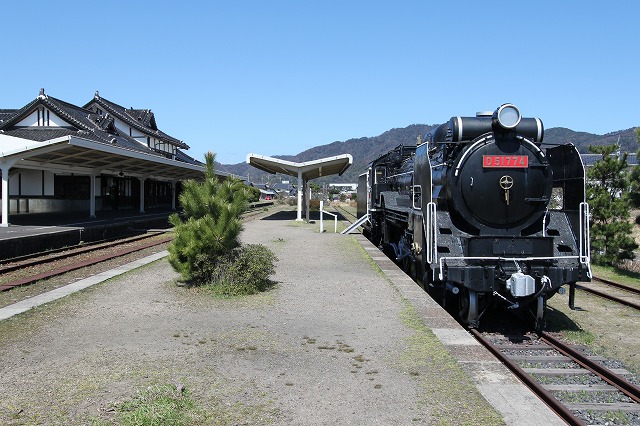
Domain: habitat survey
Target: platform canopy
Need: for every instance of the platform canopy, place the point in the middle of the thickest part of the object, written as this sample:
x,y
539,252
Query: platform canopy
x,y
304,171
69,154
76,155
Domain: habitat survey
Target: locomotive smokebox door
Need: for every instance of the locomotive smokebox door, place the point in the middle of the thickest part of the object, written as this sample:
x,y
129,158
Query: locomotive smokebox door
x,y
501,185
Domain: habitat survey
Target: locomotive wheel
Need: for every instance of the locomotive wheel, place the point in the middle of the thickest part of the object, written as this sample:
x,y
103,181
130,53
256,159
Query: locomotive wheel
x,y
468,304
409,267
538,310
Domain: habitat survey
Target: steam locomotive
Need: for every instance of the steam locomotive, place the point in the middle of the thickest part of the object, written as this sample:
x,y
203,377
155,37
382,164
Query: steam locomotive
x,y
482,213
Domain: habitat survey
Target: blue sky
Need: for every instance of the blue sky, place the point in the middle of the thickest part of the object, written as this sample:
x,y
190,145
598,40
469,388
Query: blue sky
x,y
278,77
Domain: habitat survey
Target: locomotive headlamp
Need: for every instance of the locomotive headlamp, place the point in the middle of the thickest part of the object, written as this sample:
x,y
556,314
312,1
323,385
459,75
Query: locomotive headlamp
x,y
508,116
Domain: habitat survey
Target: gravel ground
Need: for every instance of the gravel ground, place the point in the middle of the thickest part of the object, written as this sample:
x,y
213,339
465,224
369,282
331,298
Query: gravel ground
x,y
323,347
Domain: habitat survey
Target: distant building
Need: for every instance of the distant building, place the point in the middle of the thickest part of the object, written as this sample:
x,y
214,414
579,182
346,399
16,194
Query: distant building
x,y
351,187
590,159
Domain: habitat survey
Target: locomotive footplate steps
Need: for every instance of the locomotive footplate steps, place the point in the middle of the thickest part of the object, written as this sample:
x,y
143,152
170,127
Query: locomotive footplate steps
x,y
356,224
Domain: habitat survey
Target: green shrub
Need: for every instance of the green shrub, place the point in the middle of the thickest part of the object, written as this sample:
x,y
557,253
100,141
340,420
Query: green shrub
x,y
314,205
292,201
244,271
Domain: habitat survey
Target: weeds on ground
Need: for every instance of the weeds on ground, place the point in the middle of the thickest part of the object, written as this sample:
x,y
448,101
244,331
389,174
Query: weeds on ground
x,y
447,389
629,276
158,406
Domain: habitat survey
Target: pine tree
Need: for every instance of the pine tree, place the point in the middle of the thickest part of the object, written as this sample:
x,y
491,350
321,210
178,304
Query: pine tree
x,y
634,180
209,225
608,197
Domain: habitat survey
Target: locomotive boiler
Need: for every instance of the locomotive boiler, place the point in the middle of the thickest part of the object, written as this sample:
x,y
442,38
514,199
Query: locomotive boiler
x,y
482,213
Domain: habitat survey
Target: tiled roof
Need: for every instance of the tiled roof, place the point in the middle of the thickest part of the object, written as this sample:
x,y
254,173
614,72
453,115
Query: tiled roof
x,y
5,114
181,156
140,119
83,123
40,134
76,116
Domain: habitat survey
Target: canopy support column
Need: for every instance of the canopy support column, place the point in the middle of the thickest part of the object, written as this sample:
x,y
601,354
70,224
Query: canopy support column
x,y
5,192
300,193
142,179
307,199
92,195
174,183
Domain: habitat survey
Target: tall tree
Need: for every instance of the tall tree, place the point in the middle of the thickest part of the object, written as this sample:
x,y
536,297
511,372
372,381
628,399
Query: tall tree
x,y
209,225
608,196
634,180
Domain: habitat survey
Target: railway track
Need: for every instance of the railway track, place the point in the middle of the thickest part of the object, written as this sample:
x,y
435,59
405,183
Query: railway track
x,y
43,268
623,294
581,389
345,213
39,271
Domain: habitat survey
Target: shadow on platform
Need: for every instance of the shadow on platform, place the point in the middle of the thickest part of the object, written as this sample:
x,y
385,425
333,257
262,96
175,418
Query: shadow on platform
x,y
314,216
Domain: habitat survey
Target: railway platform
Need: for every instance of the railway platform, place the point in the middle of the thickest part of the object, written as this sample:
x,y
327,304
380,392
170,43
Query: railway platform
x,y
37,232
327,291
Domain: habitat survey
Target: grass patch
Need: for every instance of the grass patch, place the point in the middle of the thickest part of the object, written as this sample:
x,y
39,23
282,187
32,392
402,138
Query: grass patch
x,y
558,321
354,246
160,405
621,276
446,389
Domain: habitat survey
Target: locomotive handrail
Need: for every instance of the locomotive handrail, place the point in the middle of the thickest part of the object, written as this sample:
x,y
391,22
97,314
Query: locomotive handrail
x,y
430,231
585,237
500,258
413,196
466,153
400,174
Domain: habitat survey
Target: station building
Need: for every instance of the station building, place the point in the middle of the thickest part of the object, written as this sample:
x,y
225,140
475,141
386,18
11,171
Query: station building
x,y
59,157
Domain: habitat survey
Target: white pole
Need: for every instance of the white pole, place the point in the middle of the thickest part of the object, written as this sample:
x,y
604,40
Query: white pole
x,y
92,195
5,196
300,189
5,191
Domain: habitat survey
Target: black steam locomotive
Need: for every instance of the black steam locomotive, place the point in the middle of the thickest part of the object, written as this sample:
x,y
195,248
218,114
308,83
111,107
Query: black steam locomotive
x,y
482,213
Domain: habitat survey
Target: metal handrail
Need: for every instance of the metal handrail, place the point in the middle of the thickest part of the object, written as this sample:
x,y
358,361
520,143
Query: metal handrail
x,y
335,218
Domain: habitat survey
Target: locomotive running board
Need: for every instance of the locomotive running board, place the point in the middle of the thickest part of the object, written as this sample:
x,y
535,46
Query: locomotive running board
x,y
355,224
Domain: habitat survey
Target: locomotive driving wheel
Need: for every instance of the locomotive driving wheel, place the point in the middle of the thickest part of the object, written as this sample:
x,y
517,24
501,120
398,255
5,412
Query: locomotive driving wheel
x,y
409,266
538,309
468,307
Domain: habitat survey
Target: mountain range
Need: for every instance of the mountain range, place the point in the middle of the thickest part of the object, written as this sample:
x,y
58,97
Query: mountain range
x,y
365,149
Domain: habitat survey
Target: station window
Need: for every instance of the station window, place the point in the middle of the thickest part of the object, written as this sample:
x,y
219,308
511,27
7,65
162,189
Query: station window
x,y
71,187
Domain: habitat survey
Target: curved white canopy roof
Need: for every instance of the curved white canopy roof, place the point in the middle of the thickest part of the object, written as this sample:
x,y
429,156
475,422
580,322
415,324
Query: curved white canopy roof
x,y
304,171
310,169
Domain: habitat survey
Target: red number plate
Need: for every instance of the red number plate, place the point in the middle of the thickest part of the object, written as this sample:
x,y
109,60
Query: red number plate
x,y
511,161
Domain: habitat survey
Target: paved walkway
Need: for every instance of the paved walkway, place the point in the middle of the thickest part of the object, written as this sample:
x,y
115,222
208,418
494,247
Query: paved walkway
x,y
334,343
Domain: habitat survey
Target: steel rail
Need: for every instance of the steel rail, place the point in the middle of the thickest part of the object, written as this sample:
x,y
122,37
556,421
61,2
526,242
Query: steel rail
x,y
65,252
618,285
79,265
619,382
609,297
546,397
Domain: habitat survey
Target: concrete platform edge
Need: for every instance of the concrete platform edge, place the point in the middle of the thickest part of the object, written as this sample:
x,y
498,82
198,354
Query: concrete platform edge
x,y
58,293
517,404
